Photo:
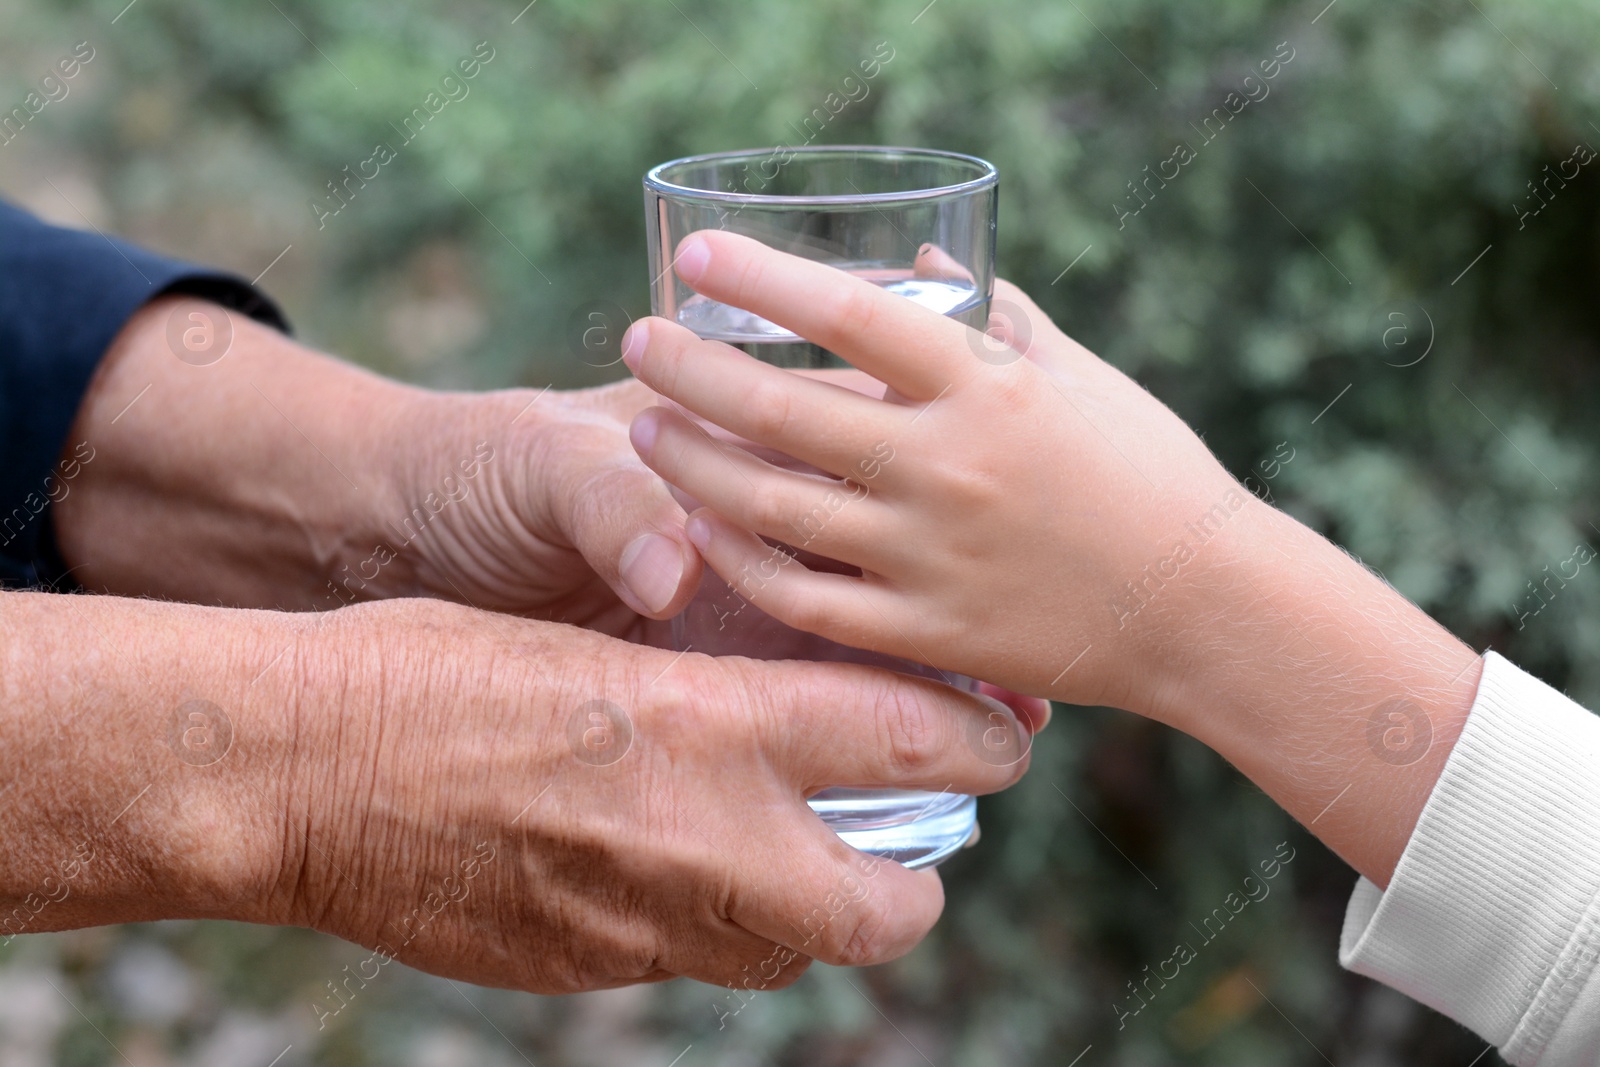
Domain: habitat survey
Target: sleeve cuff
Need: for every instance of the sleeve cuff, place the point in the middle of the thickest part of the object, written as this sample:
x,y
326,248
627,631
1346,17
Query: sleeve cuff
x,y
1492,916
64,295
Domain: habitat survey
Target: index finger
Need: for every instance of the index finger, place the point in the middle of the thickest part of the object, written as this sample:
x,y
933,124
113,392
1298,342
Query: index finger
x,y
915,350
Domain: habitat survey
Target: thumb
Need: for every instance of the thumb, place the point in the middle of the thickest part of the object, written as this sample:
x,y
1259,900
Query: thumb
x,y
630,530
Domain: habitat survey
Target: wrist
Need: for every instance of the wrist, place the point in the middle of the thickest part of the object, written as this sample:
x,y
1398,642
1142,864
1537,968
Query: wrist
x,y
1278,617
239,478
1320,682
147,745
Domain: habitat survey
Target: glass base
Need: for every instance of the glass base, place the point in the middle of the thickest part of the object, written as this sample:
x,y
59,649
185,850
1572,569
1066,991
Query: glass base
x,y
908,826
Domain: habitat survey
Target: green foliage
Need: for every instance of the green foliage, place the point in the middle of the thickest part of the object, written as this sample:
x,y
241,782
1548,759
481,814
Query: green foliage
x,y
1252,292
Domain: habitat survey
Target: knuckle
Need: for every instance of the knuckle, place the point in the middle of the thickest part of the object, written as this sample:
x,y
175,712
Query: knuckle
x,y
908,737
588,960
1016,387
976,484
597,498
769,505
562,981
729,702
853,308
770,966
769,408
573,971
865,939
748,285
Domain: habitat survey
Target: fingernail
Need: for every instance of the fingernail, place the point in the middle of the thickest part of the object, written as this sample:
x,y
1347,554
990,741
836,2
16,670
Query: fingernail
x,y
652,567
633,343
646,426
699,531
694,255
999,738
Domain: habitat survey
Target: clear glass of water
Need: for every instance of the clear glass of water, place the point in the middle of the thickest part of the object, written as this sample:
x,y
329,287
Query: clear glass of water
x,y
918,222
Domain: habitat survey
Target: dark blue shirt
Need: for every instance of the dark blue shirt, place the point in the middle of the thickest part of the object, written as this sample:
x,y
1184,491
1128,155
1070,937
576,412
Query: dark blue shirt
x,y
64,295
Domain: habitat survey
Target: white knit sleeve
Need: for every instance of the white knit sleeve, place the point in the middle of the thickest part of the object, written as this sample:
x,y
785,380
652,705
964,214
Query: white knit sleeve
x,y
1493,914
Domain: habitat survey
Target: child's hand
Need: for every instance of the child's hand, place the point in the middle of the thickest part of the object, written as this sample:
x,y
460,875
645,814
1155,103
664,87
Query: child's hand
x,y
1019,510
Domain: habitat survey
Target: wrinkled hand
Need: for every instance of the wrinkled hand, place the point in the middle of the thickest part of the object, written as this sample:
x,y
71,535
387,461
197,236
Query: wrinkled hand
x,y
261,473
559,520
538,807
562,521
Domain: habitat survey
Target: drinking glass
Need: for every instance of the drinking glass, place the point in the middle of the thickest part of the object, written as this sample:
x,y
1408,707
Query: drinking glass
x,y
918,222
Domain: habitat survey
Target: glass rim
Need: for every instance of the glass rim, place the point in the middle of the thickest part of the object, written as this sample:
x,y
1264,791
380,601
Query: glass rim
x,y
988,175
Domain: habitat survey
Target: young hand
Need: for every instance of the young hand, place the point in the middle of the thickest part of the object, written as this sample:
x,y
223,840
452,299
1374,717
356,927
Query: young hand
x,y
1023,512
997,500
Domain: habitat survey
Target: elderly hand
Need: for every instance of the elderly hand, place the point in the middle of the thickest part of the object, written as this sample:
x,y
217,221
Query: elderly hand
x,y
495,799
259,473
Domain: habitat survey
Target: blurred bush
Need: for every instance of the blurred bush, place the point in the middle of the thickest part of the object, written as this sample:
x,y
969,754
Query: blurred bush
x,y
1352,270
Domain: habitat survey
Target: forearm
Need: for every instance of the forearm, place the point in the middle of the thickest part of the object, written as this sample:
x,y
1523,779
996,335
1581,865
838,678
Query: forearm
x,y
1337,696
146,753
246,476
